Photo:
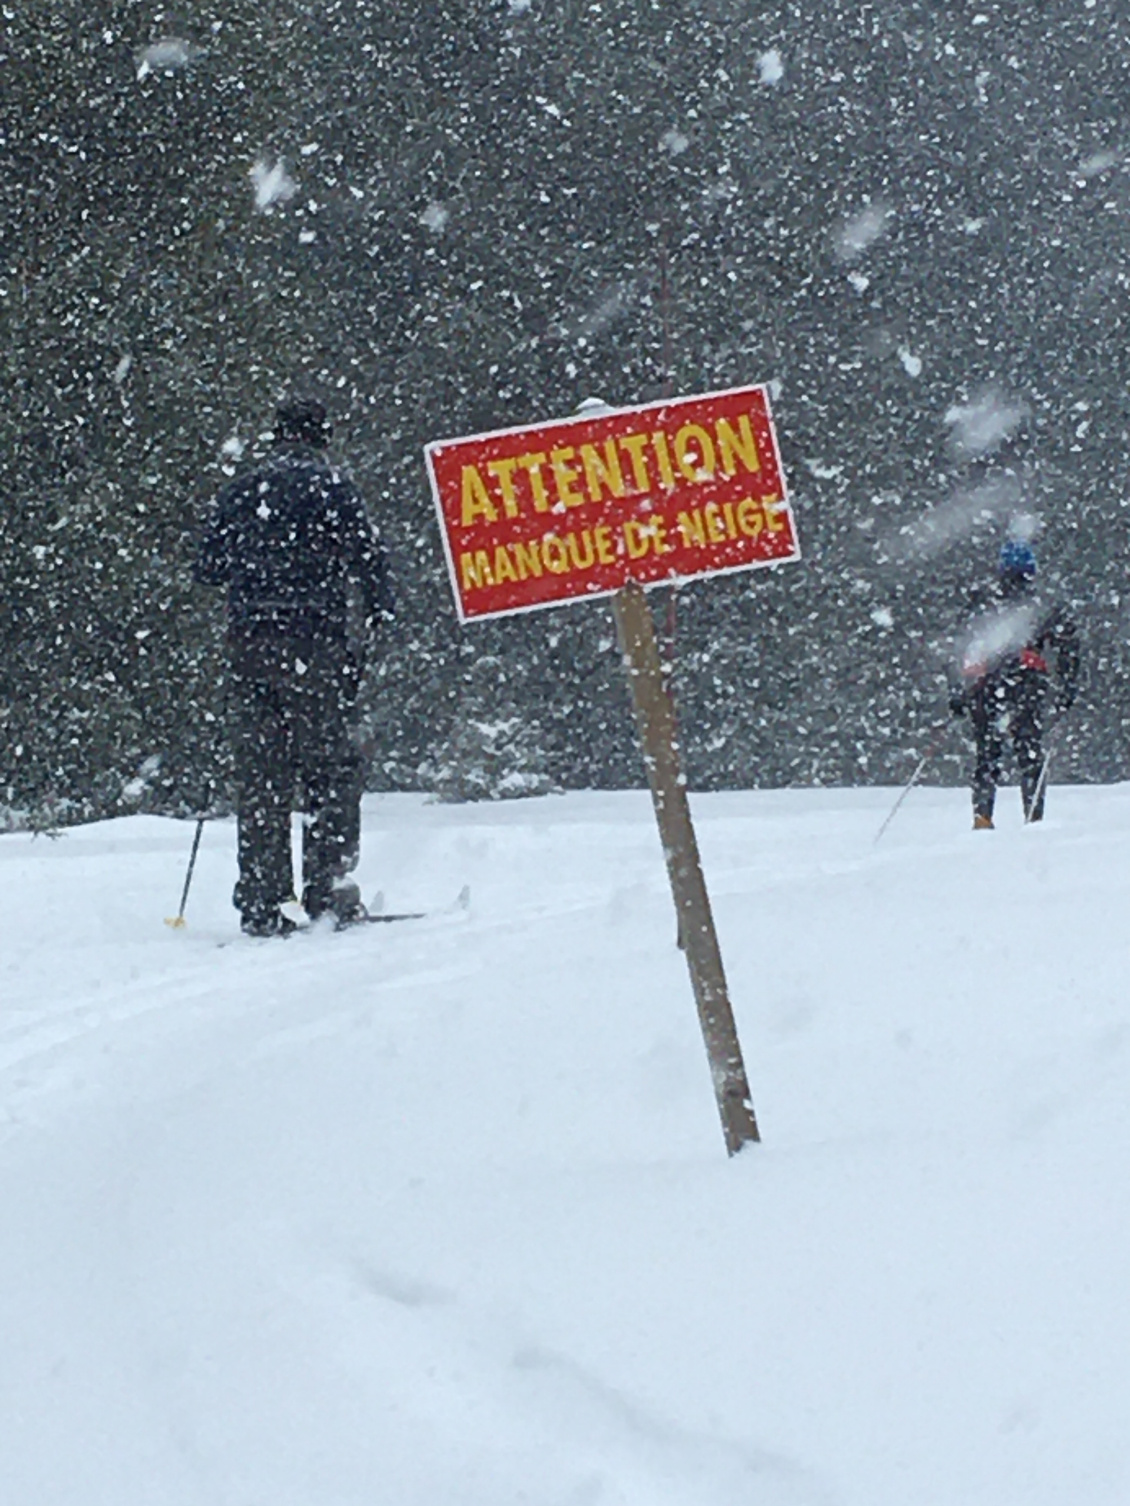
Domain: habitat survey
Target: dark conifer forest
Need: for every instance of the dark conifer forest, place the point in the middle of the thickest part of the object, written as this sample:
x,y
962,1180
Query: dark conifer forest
x,y
911,220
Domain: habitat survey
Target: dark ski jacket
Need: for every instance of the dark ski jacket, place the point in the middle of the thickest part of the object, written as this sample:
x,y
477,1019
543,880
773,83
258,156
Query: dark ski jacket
x,y
1050,647
294,546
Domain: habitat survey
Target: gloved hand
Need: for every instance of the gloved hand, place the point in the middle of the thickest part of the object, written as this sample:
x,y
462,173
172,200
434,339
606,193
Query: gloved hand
x,y
957,702
1064,698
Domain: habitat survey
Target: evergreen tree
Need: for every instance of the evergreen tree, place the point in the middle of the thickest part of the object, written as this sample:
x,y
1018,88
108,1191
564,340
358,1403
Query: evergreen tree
x,y
448,217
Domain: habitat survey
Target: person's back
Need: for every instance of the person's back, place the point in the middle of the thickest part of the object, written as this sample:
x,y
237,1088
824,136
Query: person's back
x,y
287,538
1005,681
290,539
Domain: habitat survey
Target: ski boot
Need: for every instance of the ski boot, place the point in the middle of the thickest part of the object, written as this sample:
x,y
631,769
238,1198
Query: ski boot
x,y
343,902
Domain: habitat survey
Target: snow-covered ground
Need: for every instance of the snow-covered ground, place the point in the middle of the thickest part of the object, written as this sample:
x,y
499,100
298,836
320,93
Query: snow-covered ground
x,y
440,1212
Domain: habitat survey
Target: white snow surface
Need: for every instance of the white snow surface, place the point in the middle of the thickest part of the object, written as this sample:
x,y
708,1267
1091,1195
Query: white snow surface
x,y
439,1212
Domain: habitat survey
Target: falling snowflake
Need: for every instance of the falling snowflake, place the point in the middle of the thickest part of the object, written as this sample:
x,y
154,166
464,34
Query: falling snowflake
x,y
984,423
856,234
770,67
273,184
166,55
1097,162
435,218
1023,527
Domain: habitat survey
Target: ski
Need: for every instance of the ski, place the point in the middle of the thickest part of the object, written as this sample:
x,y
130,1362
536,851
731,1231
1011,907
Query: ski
x,y
376,914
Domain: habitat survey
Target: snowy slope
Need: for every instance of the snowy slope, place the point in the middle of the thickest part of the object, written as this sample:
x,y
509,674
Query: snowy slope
x,y
440,1213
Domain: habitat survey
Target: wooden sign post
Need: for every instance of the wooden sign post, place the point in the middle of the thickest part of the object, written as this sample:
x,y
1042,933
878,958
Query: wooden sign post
x,y
604,504
655,722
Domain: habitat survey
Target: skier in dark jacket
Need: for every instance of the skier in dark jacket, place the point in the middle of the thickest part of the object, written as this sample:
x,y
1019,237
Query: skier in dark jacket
x,y
1007,683
303,566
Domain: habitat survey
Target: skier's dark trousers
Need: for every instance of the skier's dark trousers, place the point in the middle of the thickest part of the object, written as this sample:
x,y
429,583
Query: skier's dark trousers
x,y
1008,684
304,570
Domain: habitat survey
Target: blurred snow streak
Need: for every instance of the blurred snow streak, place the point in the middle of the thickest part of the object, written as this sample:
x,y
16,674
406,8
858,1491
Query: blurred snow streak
x,y
859,232
995,636
165,55
984,423
945,524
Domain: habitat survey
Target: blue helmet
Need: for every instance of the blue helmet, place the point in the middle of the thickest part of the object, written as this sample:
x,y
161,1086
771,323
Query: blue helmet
x,y
1017,562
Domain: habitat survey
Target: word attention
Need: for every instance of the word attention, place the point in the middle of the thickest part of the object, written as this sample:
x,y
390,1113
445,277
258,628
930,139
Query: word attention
x,y
587,474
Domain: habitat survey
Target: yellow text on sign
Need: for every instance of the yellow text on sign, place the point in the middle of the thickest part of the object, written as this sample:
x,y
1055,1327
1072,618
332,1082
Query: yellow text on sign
x,y
631,465
584,549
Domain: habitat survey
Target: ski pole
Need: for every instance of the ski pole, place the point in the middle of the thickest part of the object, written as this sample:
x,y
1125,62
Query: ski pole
x,y
914,778
1038,794
177,921
1045,767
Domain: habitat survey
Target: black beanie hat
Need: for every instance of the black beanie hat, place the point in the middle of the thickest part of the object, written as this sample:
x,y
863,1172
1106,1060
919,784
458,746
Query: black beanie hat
x,y
302,420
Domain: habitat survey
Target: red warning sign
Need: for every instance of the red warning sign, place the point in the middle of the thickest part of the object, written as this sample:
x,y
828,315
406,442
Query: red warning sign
x,y
578,507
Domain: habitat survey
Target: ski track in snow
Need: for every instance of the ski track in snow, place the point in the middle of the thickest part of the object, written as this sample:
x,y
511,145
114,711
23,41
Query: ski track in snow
x,y
439,1212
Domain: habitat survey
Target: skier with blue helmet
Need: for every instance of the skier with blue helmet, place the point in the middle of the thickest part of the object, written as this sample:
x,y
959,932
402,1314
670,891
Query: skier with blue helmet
x,y
1006,682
